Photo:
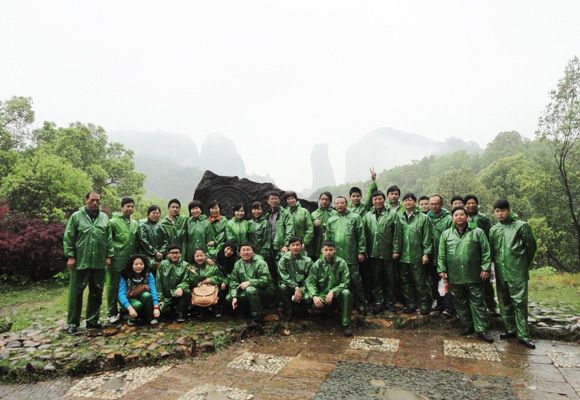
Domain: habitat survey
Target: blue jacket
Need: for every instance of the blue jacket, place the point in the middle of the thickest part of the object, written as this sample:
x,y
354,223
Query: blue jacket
x,y
123,291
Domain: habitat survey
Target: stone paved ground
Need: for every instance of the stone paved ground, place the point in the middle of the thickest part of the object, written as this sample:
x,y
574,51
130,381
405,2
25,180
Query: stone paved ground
x,y
309,365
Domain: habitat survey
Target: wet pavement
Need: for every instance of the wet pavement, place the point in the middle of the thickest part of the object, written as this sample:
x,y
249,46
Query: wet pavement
x,y
377,363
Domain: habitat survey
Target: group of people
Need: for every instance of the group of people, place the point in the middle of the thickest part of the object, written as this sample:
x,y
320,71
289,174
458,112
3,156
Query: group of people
x,y
375,255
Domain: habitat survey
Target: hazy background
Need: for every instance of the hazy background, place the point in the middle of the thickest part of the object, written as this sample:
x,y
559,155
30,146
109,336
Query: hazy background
x,y
277,77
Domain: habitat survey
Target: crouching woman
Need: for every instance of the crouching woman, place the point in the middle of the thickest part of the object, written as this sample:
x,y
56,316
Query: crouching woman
x,y
137,291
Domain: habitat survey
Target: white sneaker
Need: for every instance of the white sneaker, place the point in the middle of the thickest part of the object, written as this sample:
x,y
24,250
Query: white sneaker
x,y
154,321
114,319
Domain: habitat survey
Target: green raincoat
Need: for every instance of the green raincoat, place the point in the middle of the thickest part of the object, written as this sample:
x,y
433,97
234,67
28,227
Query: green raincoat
x,y
292,272
175,229
196,235
362,208
170,277
439,223
260,235
217,234
301,223
284,230
319,231
261,284
513,247
325,277
152,239
237,231
416,237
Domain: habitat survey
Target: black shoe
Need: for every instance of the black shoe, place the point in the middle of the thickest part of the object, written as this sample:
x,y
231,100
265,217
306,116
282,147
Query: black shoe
x,y
409,310
528,343
72,329
390,308
507,335
94,325
485,336
377,309
348,331
466,331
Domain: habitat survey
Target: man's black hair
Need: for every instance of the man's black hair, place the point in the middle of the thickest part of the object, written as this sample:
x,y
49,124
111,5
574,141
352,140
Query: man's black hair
x,y
394,188
423,198
295,239
410,196
328,243
153,208
502,204
193,204
173,247
378,193
170,202
456,197
470,197
458,208
354,189
127,200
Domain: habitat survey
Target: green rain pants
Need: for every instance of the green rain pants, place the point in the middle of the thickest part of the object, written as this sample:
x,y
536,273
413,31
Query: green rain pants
x,y
285,294
112,289
177,305
79,279
489,296
414,286
382,275
470,305
513,307
144,306
356,286
254,297
343,302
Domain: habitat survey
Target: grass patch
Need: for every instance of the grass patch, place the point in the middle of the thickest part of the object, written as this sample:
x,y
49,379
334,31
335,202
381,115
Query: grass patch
x,y
554,289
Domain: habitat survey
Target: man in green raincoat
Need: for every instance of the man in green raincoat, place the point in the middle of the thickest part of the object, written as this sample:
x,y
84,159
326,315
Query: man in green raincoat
x,y
280,228
384,241
174,223
293,268
346,230
513,247
124,236
356,204
414,263
482,221
88,246
196,231
250,283
175,277
320,218
328,282
440,220
153,239
300,220
464,259
260,234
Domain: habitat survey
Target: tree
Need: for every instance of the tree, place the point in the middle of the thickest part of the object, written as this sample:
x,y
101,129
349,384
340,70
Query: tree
x,y
16,116
45,186
559,125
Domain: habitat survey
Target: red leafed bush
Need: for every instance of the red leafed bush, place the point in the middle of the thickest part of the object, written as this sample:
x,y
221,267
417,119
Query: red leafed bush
x,y
30,249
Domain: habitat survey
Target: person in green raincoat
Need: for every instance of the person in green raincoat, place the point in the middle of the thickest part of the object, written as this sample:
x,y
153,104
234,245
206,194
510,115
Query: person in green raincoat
x,y
513,247
293,268
299,220
124,235
393,195
260,234
238,228
482,221
196,232
280,228
153,239
88,247
320,217
328,282
356,204
174,223
217,231
384,241
414,263
250,283
345,229
210,274
175,277
440,220
464,259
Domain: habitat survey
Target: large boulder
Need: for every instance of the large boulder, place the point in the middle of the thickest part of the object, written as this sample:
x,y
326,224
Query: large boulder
x,y
231,190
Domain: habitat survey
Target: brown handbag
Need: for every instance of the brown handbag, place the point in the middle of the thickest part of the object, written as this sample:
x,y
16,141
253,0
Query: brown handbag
x,y
136,291
204,295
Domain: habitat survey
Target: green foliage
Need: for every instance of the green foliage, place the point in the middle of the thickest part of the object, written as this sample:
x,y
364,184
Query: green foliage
x,y
46,172
45,185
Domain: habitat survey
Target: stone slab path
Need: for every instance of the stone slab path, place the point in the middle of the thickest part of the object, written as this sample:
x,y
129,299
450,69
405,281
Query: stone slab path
x,y
375,363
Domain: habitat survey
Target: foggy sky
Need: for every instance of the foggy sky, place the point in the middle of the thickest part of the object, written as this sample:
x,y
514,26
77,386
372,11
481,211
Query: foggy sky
x,y
279,76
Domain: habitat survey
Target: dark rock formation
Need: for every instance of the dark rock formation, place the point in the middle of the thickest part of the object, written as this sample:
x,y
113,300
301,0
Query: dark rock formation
x,y
230,190
322,173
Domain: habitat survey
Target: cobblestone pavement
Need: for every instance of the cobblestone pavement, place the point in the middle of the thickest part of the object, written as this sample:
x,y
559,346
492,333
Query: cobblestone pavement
x,y
315,365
